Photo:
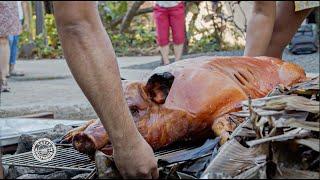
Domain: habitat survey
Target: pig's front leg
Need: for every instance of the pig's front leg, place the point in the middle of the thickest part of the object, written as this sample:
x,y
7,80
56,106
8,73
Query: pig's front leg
x,y
224,126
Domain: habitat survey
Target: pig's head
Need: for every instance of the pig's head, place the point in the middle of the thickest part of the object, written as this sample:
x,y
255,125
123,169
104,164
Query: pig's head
x,y
159,124
141,95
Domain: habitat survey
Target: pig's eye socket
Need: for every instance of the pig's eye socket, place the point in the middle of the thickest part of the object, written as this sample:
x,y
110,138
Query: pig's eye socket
x,y
134,110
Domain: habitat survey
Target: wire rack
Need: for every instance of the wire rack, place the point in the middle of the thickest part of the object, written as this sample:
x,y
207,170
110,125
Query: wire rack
x,y
65,159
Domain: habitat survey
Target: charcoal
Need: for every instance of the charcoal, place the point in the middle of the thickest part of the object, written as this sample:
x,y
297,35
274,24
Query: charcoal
x,y
16,171
25,143
5,171
72,173
62,129
80,176
31,176
105,166
43,171
57,175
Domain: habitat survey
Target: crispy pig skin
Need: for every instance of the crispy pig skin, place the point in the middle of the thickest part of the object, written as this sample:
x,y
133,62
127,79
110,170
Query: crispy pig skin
x,y
204,89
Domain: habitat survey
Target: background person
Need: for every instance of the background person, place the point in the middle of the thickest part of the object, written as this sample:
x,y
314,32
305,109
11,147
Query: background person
x,y
170,14
9,25
14,39
273,24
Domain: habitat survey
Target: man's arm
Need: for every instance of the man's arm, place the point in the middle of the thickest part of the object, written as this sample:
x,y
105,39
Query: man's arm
x,y
91,59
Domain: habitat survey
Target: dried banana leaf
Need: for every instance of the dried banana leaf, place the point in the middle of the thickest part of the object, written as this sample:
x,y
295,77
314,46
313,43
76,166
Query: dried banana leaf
x,y
244,113
244,130
297,103
310,142
298,132
257,172
196,153
278,90
306,88
294,123
296,174
285,102
185,176
233,159
260,112
299,116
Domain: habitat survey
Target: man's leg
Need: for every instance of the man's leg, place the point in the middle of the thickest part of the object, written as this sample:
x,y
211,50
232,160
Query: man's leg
x,y
4,62
260,28
162,29
177,23
286,25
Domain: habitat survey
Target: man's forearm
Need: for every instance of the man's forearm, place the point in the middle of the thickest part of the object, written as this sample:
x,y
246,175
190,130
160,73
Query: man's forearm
x,y
91,59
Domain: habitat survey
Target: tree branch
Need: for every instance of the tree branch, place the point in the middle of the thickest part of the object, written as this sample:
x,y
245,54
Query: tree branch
x,y
130,15
139,12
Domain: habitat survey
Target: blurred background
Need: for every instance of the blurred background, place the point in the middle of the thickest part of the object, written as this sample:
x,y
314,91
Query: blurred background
x,y
210,26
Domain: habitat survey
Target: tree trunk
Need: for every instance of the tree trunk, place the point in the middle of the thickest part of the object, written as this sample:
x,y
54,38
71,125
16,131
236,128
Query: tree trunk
x,y
39,17
40,28
130,15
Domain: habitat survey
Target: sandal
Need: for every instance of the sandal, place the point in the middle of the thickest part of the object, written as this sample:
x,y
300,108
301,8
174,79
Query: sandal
x,y
4,88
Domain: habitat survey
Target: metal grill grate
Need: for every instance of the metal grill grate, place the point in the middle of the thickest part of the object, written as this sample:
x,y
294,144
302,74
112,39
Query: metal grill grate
x,y
65,159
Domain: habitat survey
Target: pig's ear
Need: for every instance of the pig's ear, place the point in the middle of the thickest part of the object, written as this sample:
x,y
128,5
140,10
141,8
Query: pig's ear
x,y
158,86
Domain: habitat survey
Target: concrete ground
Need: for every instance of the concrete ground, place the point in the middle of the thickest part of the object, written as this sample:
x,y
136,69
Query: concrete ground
x,y
49,86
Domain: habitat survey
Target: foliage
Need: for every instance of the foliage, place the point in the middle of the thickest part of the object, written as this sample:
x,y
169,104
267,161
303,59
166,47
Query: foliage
x,y
45,45
140,39
210,36
111,11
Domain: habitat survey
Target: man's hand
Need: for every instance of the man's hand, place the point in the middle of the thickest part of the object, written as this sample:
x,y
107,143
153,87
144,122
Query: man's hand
x,y
136,160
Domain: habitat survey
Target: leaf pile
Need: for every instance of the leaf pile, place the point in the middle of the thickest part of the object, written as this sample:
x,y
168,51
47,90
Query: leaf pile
x,y
279,138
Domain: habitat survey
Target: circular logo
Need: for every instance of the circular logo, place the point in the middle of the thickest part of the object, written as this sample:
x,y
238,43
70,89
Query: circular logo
x,y
44,150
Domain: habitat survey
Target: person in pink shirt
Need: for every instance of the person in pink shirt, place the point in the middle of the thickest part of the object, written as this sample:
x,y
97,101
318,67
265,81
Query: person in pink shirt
x,y
170,14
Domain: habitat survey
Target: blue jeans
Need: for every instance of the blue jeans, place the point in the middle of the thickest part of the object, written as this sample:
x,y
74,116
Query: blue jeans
x,y
13,42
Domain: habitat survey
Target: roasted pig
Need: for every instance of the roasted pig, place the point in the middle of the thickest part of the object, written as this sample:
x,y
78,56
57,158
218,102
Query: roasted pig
x,y
192,97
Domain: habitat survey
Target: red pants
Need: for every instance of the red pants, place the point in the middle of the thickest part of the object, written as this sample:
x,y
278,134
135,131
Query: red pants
x,y
173,17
